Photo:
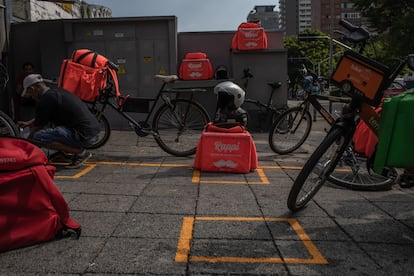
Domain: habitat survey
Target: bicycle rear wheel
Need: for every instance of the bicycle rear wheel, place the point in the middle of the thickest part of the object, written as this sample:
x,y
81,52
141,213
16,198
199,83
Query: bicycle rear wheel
x,y
105,130
317,169
290,130
7,126
355,172
178,126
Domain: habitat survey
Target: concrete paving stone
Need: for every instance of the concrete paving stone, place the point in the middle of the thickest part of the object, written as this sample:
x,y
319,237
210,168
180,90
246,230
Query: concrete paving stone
x,y
167,171
290,249
171,190
59,256
152,226
220,177
184,205
231,229
97,224
274,208
393,259
398,210
344,258
133,255
377,231
396,194
126,187
227,200
258,268
353,209
333,193
316,229
173,180
236,249
312,209
102,203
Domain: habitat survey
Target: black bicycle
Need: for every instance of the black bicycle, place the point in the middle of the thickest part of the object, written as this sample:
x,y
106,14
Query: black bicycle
x,y
322,165
177,119
268,111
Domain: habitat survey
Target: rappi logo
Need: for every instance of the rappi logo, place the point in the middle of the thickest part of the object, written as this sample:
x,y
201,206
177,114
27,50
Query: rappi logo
x,y
223,147
7,160
250,34
194,65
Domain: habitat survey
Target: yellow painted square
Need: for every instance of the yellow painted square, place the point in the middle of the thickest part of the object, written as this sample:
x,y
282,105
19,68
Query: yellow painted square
x,y
186,235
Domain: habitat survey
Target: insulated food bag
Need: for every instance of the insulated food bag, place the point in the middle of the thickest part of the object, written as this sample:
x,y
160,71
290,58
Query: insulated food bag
x,y
226,150
396,133
196,66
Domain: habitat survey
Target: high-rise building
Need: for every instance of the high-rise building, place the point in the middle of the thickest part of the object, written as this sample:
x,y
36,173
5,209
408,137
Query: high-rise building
x,y
299,15
266,15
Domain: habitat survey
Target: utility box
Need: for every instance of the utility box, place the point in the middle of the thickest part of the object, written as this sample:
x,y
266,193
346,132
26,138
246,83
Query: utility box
x,y
141,46
266,66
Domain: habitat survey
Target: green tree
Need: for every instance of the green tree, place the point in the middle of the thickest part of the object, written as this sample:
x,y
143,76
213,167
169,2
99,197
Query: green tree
x,y
393,21
310,49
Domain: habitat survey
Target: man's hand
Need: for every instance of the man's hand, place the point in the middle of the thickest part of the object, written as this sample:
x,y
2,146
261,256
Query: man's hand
x,y
23,124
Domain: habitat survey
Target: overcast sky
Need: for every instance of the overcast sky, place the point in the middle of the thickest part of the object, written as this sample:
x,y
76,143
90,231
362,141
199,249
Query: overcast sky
x,y
193,15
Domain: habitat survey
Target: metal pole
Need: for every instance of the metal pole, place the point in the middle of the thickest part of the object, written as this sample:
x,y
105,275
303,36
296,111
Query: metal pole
x,y
332,5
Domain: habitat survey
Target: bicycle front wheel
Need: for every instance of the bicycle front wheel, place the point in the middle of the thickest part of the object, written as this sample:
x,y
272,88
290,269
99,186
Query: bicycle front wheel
x,y
105,130
290,130
178,126
355,172
7,126
317,169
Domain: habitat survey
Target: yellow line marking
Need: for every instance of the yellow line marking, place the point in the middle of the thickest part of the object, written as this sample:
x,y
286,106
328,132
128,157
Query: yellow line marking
x,y
197,179
316,254
262,176
89,167
138,164
184,244
281,167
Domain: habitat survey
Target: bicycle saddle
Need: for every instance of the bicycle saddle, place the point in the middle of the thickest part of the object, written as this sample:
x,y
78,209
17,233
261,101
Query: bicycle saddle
x,y
356,33
166,78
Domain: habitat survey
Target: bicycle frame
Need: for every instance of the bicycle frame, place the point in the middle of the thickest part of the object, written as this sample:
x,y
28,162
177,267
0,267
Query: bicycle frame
x,y
312,99
142,128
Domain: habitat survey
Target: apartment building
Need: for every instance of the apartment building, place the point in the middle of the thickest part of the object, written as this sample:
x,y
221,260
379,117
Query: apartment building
x,y
299,15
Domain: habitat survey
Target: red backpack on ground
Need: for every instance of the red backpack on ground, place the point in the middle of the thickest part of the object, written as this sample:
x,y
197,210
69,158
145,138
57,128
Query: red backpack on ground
x,y
85,74
32,209
223,149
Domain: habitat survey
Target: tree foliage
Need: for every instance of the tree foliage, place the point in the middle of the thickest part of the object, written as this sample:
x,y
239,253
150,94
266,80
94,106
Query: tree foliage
x,y
312,52
393,20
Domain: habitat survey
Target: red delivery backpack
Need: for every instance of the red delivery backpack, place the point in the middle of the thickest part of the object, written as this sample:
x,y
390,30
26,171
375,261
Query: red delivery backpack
x,y
196,66
32,209
226,150
249,36
86,73
365,140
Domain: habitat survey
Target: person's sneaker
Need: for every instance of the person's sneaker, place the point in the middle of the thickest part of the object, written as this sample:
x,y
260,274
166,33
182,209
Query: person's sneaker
x,y
79,159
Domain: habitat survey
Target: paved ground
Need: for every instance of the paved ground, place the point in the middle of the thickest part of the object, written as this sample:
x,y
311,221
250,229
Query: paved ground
x,y
144,212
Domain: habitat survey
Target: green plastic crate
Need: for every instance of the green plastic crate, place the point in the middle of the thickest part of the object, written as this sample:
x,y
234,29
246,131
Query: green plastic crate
x,y
396,133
